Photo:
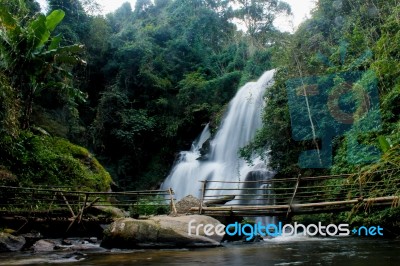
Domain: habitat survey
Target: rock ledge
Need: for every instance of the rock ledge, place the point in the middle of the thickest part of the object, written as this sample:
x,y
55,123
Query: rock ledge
x,y
159,232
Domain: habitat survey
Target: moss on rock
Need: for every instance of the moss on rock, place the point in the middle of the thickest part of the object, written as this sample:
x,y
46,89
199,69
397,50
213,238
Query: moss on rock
x,y
52,161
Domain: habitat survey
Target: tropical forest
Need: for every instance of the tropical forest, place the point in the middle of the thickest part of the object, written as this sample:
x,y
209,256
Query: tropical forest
x,y
106,102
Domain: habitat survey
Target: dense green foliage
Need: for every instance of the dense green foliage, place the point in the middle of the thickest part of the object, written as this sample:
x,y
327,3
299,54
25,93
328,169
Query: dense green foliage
x,y
167,68
35,72
341,37
136,86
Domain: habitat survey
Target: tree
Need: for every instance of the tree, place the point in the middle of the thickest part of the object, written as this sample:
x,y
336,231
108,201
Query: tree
x,y
75,27
141,7
34,59
259,16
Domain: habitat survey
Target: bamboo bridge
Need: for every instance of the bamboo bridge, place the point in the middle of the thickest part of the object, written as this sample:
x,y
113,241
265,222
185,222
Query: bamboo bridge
x,y
301,195
274,197
63,204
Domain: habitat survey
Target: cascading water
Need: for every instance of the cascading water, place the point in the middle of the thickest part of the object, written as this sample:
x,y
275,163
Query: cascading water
x,y
222,162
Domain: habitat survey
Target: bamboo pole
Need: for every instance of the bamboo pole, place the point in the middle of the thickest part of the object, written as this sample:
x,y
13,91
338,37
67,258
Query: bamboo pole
x,y
173,208
83,208
51,203
126,193
294,194
360,185
75,218
54,219
299,207
66,202
203,193
92,203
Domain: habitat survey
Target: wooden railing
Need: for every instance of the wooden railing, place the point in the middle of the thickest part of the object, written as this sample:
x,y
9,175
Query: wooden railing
x,y
274,197
284,197
63,202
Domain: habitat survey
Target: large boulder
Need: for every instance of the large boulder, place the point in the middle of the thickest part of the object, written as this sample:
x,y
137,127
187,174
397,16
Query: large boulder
x,y
183,206
45,245
48,245
10,242
160,232
107,211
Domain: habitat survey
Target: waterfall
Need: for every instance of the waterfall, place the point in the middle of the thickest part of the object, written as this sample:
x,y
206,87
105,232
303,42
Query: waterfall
x,y
221,162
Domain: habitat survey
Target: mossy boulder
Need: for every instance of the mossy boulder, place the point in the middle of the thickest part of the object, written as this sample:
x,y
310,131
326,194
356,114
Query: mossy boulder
x,y
10,242
52,161
159,232
6,177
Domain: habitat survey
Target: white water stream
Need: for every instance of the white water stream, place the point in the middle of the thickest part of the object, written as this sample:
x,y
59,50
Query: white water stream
x,y
222,162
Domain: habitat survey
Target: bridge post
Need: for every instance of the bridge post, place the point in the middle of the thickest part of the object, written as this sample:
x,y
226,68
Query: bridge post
x,y
32,201
203,193
360,185
171,195
294,194
83,208
67,203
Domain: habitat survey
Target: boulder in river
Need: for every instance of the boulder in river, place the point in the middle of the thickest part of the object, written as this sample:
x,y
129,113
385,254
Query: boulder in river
x,y
183,206
160,232
74,245
45,245
10,242
107,211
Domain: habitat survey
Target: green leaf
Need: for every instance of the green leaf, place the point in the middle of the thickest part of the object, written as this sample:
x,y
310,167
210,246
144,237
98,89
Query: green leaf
x,y
55,42
62,51
54,19
69,59
6,19
385,144
42,27
39,32
74,49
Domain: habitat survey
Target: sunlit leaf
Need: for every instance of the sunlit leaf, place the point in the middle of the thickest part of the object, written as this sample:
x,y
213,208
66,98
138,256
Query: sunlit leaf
x,y
39,33
54,19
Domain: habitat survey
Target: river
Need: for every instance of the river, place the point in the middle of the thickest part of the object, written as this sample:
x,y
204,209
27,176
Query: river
x,y
279,251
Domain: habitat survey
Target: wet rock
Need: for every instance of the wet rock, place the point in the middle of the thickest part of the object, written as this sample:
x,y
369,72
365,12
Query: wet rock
x,y
9,231
107,211
66,242
31,238
77,255
159,232
10,242
72,245
93,240
86,247
46,245
205,150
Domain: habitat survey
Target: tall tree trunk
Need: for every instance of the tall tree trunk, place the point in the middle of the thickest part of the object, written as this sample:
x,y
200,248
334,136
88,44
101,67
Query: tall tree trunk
x,y
28,105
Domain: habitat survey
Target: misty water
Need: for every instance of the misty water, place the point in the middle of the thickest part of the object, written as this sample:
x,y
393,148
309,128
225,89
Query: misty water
x,y
278,251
